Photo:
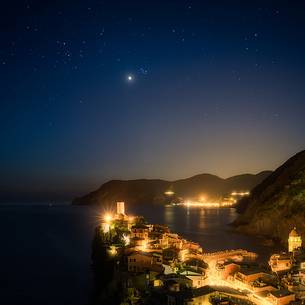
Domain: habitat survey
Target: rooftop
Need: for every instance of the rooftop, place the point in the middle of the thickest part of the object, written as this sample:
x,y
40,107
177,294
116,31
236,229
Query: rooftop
x,y
294,233
281,293
250,271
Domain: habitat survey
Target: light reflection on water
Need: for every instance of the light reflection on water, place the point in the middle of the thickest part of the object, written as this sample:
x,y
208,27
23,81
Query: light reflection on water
x,y
207,226
169,215
202,222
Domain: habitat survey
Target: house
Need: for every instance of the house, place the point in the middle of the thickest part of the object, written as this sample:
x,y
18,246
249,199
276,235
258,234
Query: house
x,y
171,240
192,246
139,231
228,268
160,228
247,275
259,286
204,295
170,254
280,262
142,262
173,282
139,244
281,297
198,279
196,264
168,269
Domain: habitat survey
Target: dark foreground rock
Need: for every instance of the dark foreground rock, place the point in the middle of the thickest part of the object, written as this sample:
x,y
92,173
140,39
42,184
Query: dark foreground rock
x,y
277,204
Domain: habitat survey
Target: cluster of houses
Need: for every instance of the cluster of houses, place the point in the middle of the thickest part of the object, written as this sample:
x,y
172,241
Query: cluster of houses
x,y
175,270
283,285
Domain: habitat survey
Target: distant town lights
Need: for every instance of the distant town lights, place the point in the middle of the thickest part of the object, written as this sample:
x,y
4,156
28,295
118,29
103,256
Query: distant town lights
x,y
169,193
240,193
202,198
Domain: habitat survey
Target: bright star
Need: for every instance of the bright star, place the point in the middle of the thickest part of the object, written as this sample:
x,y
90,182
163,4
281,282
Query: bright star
x,y
130,78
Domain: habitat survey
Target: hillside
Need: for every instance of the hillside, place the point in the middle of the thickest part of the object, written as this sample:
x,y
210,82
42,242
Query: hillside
x,y
146,191
277,204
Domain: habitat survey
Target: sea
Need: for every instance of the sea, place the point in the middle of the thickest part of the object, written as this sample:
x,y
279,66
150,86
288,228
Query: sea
x,y
45,249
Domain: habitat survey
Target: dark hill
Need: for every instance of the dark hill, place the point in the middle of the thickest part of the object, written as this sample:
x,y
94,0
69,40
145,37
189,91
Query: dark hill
x,y
146,191
277,204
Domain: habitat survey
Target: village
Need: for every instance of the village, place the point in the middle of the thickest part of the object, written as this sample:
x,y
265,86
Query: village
x,y
160,267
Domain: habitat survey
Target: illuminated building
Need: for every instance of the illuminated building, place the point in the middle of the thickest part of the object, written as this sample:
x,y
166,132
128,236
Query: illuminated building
x,y
246,276
192,246
227,269
171,240
198,279
280,262
139,231
141,262
294,240
120,207
281,297
105,227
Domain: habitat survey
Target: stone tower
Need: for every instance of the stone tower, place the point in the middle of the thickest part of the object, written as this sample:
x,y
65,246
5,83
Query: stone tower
x,y
294,240
120,208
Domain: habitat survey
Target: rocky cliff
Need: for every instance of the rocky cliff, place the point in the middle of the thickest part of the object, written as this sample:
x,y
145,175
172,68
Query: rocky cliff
x,y
277,204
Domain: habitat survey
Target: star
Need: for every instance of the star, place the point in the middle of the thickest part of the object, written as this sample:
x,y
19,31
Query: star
x,y
130,78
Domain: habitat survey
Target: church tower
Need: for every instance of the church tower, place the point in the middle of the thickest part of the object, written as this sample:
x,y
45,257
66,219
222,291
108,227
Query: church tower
x,y
294,240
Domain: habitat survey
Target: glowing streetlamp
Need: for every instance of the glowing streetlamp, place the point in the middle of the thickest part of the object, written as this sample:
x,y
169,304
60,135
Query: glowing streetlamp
x,y
108,218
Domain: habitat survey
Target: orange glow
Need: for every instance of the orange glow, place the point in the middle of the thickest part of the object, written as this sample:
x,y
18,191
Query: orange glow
x,y
108,217
202,198
240,193
144,246
112,251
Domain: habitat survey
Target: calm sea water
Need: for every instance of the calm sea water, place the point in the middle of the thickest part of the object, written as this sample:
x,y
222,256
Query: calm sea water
x,y
45,251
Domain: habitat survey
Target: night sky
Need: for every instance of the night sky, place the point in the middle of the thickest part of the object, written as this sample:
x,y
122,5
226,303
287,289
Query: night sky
x,y
96,90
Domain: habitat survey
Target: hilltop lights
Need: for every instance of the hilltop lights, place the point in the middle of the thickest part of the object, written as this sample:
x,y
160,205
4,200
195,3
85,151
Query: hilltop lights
x,y
169,193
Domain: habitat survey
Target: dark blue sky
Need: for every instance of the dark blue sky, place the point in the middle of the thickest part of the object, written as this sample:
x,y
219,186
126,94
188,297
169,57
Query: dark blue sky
x,y
217,87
